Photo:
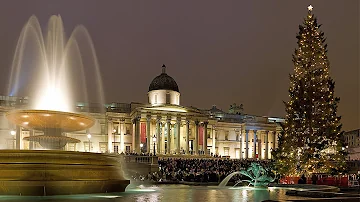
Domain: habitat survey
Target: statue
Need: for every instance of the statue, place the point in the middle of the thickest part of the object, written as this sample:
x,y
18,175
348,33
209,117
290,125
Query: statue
x,y
236,109
258,175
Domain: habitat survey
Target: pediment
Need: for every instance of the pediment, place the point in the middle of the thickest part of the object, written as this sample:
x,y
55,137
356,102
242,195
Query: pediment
x,y
178,109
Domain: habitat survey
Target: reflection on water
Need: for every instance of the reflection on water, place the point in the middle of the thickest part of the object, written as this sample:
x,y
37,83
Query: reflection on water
x,y
171,193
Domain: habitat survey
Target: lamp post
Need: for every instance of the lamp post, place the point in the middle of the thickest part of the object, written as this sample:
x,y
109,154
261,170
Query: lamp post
x,y
89,137
240,145
114,132
154,140
141,147
13,133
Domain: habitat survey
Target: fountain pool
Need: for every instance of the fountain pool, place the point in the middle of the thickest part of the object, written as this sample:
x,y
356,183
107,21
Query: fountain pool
x,y
173,193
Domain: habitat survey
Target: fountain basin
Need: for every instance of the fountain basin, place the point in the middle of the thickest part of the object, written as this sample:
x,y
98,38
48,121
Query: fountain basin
x,y
53,142
52,123
50,172
50,120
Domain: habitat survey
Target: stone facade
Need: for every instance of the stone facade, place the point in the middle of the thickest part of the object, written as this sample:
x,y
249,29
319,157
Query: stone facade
x,y
352,140
176,129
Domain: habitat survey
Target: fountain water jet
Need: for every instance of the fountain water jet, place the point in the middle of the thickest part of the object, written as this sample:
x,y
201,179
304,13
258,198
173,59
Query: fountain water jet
x,y
224,182
56,59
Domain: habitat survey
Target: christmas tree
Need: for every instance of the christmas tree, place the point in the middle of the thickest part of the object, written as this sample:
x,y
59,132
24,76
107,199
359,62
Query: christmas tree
x,y
311,140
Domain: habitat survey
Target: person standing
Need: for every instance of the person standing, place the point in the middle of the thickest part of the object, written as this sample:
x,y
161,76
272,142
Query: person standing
x,y
314,179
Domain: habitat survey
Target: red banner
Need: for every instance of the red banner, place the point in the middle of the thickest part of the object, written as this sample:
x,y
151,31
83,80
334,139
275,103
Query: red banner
x,y
201,135
143,132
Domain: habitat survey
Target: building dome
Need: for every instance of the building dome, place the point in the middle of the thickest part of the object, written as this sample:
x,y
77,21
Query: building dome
x,y
163,82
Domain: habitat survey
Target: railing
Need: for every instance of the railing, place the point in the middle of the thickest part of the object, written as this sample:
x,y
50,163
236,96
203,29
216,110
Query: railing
x,y
141,159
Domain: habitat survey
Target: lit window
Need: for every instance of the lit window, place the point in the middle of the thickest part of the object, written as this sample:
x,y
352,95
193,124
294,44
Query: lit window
x,y
226,151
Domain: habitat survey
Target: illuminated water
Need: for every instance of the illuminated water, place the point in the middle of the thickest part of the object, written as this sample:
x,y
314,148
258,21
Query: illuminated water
x,y
171,193
224,182
55,71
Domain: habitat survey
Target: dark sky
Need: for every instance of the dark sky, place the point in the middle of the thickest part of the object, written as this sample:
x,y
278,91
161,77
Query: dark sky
x,y
219,52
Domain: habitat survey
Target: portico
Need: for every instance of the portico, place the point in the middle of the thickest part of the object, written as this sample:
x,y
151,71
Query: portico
x,y
172,126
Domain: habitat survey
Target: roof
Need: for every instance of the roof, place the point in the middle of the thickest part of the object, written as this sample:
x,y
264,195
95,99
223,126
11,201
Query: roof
x,y
163,82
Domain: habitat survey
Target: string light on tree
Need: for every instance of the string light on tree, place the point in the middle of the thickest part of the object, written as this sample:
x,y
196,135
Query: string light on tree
x,y
311,133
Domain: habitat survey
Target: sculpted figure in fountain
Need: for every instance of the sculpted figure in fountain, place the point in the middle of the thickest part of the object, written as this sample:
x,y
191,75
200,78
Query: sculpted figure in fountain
x,y
258,176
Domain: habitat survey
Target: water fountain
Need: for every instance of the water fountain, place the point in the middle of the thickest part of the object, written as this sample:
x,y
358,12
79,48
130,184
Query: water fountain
x,y
53,171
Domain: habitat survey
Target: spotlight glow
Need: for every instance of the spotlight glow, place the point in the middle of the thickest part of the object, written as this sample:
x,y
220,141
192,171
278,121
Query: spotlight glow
x,y
53,98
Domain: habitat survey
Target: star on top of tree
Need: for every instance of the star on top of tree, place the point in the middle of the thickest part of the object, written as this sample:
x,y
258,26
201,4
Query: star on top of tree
x,y
310,7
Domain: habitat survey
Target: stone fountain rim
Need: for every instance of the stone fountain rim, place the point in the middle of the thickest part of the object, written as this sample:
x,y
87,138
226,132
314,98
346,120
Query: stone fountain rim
x,y
38,137
49,112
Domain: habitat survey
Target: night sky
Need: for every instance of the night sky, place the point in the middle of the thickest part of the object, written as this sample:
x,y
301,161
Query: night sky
x,y
219,52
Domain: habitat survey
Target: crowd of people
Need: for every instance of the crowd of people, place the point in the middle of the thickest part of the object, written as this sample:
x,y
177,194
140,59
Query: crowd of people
x,y
199,170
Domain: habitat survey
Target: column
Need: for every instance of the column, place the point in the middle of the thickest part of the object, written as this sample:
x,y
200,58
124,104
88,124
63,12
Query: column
x,y
110,138
148,135
187,136
213,141
266,145
18,137
137,135
31,143
178,122
117,132
122,133
168,128
163,130
254,151
158,134
241,145
196,137
274,139
259,140
205,138
247,144
173,137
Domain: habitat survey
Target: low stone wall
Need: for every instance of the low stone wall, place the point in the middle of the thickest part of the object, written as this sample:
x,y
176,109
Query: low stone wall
x,y
307,187
317,191
52,172
139,165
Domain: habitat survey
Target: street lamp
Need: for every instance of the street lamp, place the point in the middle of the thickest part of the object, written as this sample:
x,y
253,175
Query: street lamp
x,y
141,147
89,137
240,141
13,133
154,140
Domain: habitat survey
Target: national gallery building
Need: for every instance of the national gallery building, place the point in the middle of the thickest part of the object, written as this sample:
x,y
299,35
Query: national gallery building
x,y
162,125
